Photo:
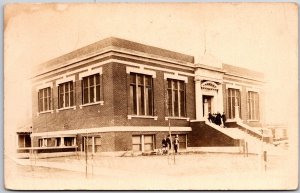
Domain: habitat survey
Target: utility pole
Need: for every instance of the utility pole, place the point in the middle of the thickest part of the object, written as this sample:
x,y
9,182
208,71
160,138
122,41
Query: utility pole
x,y
263,153
85,148
31,154
169,123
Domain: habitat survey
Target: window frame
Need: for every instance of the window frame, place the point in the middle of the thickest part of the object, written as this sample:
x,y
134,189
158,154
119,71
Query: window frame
x,y
42,100
253,106
90,85
141,104
71,93
69,142
182,143
137,144
142,142
173,92
230,96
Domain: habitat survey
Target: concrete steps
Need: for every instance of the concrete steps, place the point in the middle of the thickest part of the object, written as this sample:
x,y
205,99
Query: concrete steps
x,y
254,142
227,131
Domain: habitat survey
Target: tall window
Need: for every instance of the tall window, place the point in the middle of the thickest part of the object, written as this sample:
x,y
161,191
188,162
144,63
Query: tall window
x,y
65,95
234,97
91,89
44,96
176,98
141,94
253,105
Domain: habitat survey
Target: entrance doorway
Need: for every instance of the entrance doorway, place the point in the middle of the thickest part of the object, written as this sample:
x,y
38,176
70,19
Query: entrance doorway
x,y
207,105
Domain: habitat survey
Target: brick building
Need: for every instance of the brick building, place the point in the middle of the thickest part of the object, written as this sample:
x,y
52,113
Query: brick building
x,y
123,95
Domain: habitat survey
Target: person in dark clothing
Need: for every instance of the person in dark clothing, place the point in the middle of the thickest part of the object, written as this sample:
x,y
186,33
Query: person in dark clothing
x,y
218,119
215,118
210,117
176,144
168,140
224,119
164,145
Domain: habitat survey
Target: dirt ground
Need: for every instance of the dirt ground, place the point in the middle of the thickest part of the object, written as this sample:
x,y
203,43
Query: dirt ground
x,y
190,171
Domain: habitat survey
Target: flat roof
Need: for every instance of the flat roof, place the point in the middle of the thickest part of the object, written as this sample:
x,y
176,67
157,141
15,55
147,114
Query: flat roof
x,y
242,72
120,43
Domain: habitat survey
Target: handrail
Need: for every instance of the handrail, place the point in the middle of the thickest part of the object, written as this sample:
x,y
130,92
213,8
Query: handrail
x,y
254,130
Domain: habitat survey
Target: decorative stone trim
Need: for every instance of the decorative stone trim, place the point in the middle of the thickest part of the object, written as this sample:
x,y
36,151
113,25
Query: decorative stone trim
x,y
66,108
90,104
177,118
176,77
110,129
142,117
90,72
65,79
209,85
44,112
200,120
44,85
140,71
253,90
233,86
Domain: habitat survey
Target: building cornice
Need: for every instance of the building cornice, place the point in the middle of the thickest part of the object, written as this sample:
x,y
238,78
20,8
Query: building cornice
x,y
239,77
43,80
120,45
115,51
211,68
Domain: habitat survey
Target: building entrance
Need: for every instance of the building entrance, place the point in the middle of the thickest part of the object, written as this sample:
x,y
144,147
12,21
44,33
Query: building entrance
x,y
207,105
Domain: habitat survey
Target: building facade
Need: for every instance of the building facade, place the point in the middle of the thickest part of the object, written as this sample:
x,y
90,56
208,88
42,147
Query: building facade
x,y
118,95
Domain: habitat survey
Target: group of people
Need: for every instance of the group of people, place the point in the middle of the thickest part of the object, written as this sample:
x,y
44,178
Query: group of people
x,y
166,144
217,118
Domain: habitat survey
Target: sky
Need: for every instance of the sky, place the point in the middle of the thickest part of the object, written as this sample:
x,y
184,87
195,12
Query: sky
x,y
261,36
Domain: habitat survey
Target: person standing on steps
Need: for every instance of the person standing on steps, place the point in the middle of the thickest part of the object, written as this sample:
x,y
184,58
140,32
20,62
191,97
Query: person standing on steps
x,y
224,119
218,119
210,117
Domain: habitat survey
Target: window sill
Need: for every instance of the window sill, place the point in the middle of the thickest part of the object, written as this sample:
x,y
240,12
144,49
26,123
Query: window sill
x,y
66,108
178,118
52,147
89,104
44,112
142,116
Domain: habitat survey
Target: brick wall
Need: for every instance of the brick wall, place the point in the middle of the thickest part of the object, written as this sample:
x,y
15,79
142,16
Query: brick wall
x,y
203,135
115,87
69,119
244,106
123,140
122,104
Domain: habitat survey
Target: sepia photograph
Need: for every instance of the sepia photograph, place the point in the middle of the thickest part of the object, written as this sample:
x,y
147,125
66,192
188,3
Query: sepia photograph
x,y
150,96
